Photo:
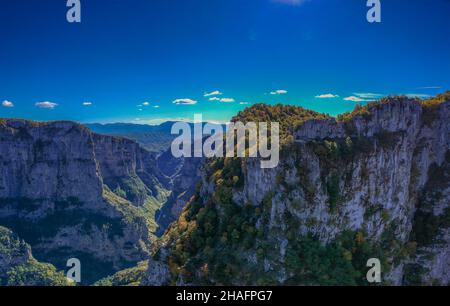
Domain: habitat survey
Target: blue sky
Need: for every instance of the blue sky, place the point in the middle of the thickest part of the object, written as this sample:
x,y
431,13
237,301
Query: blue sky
x,y
320,54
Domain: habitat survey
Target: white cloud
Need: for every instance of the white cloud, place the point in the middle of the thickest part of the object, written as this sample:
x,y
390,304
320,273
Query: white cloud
x,y
156,106
327,96
87,103
291,2
354,99
146,103
364,97
213,93
368,95
429,87
7,104
279,92
227,100
243,103
224,100
184,101
420,96
46,104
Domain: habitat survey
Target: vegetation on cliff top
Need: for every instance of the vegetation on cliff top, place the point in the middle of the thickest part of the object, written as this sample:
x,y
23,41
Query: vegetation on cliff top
x,y
429,105
19,268
34,273
288,116
128,277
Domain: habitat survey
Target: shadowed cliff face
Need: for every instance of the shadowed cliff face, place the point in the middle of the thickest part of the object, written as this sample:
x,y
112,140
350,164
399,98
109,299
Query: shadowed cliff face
x,y
71,193
374,183
183,173
184,180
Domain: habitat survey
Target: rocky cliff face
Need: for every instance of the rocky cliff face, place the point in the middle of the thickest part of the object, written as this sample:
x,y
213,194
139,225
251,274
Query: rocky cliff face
x,y
384,172
376,189
182,173
185,174
13,252
18,267
374,183
71,193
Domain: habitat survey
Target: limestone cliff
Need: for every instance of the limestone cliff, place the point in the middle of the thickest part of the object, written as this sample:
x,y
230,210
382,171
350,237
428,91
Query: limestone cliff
x,y
184,180
182,173
373,183
71,193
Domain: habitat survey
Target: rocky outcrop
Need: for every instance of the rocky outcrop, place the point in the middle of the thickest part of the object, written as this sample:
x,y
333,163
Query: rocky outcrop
x,y
157,274
13,251
180,175
399,114
386,174
381,173
18,267
374,186
71,193
123,163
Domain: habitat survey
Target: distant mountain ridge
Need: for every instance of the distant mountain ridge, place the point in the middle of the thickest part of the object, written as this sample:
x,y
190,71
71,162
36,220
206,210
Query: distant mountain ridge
x,y
155,138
